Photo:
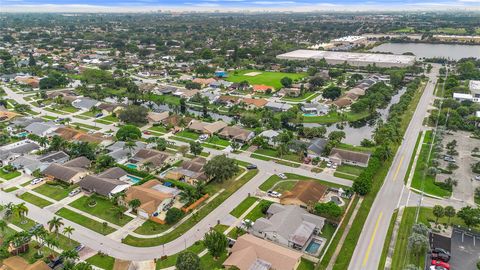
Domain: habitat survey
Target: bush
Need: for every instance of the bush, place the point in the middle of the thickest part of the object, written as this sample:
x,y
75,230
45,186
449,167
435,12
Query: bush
x,y
329,210
173,215
128,132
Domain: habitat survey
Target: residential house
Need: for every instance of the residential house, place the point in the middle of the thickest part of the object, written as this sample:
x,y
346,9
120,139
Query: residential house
x,y
10,152
260,88
156,118
41,128
316,147
152,159
19,263
254,103
237,133
340,156
85,103
205,127
70,172
315,108
270,135
186,93
252,253
30,163
120,153
290,92
6,115
191,171
343,102
31,81
220,84
304,194
24,121
277,106
109,108
176,120
474,86
227,101
465,97
288,225
71,134
108,183
204,82
153,196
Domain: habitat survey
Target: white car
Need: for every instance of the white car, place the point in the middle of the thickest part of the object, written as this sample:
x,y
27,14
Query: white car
x,y
282,175
274,194
247,221
477,177
36,181
74,192
203,137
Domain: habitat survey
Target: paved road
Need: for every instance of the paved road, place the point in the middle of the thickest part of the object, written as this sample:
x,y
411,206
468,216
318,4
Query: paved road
x,y
393,192
112,247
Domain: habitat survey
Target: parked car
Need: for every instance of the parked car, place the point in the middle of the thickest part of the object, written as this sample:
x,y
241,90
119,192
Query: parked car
x,y
274,194
247,221
35,227
282,175
36,181
440,254
477,177
435,267
146,132
251,166
79,247
334,166
99,115
440,250
203,137
440,263
448,159
74,192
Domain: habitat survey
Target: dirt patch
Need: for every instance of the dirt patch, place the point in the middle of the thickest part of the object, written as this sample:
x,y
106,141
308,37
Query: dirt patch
x,y
252,74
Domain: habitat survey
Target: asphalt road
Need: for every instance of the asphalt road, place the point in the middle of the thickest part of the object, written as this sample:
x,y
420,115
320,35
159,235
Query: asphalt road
x,y
393,192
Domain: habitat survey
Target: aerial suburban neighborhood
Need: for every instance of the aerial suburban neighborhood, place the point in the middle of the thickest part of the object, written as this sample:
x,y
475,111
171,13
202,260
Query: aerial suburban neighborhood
x,y
259,140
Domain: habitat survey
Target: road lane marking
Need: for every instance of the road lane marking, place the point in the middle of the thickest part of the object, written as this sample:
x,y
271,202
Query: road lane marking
x,y
369,249
398,168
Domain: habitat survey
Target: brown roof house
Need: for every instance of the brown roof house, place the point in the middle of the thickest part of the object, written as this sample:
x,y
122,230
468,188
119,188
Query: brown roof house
x,y
253,253
154,117
154,197
253,103
19,263
340,156
151,159
237,133
70,172
108,183
191,171
304,194
205,127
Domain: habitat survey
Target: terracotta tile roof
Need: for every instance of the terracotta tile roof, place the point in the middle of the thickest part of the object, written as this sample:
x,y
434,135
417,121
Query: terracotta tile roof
x,y
262,88
257,102
149,197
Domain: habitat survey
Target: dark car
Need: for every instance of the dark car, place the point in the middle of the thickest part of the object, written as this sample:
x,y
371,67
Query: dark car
x,y
251,166
35,227
440,250
439,256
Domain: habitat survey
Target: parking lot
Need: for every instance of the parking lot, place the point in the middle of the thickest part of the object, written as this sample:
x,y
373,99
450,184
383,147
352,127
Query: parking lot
x,y
465,188
465,250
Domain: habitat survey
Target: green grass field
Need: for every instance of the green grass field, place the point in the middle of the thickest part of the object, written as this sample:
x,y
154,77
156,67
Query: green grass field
x,y
451,31
56,192
84,221
103,261
9,175
407,29
331,118
33,199
266,77
103,209
243,206
272,180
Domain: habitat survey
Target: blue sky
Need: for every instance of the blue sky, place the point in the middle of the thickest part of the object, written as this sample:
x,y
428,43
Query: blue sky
x,y
285,5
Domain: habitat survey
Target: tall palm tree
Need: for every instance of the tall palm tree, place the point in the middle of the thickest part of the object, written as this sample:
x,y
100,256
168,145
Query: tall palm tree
x,y
70,255
22,211
129,146
134,204
54,225
40,236
9,210
51,242
42,141
68,232
118,212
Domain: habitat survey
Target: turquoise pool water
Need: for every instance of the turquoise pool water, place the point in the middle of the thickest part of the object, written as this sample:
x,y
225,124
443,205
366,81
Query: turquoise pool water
x,y
312,247
309,114
134,179
132,166
22,134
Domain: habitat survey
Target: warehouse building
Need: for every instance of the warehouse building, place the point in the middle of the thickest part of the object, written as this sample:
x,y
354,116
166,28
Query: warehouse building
x,y
353,59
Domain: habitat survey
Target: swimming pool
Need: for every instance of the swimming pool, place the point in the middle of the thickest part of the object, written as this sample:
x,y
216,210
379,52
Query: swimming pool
x,y
309,114
132,166
22,134
134,179
313,247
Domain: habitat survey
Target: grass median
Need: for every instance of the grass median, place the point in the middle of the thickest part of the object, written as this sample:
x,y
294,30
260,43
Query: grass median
x,y
85,221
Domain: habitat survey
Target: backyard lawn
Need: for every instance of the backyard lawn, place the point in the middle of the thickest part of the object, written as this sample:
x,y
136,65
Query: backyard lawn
x,y
33,199
85,221
265,77
103,209
9,175
56,192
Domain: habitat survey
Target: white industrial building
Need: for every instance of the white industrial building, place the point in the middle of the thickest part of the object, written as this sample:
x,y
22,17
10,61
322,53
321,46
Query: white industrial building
x,y
353,59
350,40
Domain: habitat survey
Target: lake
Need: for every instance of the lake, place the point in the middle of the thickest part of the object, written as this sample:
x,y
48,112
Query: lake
x,y
423,50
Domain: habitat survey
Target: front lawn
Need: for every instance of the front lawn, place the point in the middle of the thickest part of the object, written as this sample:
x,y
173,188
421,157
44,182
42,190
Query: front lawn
x,y
55,191
256,212
265,77
172,259
101,260
33,199
274,153
188,134
9,175
272,180
104,209
150,227
243,206
160,129
85,221
110,118
350,169
85,126
218,141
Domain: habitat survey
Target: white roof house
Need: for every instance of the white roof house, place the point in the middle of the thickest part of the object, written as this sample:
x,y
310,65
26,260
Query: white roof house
x,y
474,86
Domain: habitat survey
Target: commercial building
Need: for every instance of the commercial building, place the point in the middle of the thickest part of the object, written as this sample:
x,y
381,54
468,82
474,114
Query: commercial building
x,y
353,59
350,40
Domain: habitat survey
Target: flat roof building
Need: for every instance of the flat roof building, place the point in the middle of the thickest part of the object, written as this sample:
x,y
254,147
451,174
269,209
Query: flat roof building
x,y
354,59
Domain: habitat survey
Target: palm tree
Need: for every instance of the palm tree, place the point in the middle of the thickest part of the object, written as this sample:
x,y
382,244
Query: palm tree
x,y
68,232
42,141
134,204
70,255
129,145
41,236
54,225
22,211
51,242
3,225
9,210
117,211
83,266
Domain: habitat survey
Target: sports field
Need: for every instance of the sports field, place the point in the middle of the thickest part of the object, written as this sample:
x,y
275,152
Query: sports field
x,y
263,77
